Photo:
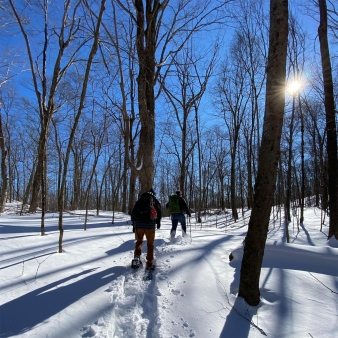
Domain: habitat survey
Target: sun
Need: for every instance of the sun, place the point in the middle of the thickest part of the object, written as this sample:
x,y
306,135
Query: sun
x,y
293,87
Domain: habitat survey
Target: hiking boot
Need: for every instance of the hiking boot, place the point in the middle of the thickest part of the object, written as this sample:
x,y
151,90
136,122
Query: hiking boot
x,y
172,234
150,268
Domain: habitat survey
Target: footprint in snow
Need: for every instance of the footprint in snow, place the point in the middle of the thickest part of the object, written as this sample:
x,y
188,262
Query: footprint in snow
x,y
90,332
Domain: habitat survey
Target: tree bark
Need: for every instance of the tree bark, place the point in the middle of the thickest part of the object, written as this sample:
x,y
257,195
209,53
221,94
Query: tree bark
x,y
289,166
146,38
4,175
233,179
268,155
331,127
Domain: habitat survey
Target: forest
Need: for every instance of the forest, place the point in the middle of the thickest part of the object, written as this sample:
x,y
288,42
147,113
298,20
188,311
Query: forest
x,y
231,102
102,100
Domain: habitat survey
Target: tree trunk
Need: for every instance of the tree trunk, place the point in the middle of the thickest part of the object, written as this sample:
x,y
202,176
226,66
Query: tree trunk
x,y
124,186
132,185
268,155
37,176
28,188
250,190
283,200
289,170
199,151
94,47
146,46
233,184
76,179
4,175
302,164
331,127
184,148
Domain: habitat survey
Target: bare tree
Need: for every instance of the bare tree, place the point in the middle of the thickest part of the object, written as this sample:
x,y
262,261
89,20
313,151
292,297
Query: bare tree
x,y
98,137
252,37
317,134
331,127
332,14
184,96
153,38
45,88
120,36
91,55
296,49
4,174
268,155
233,99
220,151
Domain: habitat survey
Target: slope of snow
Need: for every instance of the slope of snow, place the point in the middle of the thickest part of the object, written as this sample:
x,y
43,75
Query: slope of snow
x,y
90,290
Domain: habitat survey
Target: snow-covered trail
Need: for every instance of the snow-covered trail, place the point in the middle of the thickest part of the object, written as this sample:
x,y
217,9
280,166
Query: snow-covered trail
x,y
173,303
183,286
90,289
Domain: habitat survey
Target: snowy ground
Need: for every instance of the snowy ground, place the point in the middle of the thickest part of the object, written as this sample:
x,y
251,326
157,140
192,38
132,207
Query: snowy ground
x,y
90,290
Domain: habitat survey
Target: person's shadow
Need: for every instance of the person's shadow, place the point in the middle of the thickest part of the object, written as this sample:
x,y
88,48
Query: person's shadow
x,y
22,314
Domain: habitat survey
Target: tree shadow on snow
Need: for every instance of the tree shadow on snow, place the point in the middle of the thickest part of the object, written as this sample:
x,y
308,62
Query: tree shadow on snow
x,y
22,314
235,325
31,224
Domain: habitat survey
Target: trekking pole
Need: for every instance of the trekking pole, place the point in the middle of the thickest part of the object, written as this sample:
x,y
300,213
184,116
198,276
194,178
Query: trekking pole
x,y
190,229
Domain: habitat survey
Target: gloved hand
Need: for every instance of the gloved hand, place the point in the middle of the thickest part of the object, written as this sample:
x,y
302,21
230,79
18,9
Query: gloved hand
x,y
189,215
158,225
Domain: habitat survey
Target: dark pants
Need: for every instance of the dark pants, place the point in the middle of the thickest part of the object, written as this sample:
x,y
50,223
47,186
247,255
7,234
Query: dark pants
x,y
175,218
150,236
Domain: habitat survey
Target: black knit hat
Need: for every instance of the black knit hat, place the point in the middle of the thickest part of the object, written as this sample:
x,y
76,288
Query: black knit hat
x,y
151,191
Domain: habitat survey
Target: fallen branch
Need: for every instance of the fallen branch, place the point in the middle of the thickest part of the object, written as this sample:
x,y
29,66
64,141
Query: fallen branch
x,y
323,283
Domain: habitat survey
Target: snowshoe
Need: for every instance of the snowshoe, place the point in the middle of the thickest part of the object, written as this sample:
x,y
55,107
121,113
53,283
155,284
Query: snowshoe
x,y
148,273
136,263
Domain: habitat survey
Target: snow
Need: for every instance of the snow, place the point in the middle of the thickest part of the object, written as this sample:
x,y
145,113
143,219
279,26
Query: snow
x,y
90,290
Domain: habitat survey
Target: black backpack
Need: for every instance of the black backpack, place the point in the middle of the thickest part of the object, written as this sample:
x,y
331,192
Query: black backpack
x,y
144,209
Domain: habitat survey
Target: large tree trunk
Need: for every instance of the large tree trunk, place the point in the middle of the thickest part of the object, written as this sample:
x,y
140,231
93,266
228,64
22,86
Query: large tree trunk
x,y
146,46
250,190
132,185
268,155
331,127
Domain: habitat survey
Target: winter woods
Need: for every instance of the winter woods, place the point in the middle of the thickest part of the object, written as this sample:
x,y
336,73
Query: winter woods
x,y
102,100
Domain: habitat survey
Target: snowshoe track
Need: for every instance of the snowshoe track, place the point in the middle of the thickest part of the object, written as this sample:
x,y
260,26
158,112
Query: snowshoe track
x,y
136,306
